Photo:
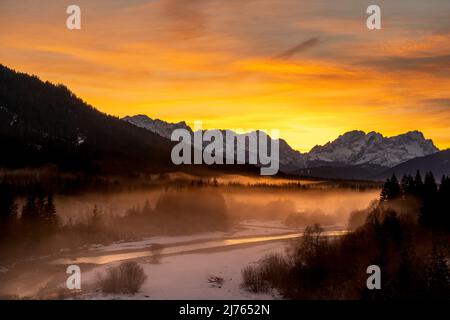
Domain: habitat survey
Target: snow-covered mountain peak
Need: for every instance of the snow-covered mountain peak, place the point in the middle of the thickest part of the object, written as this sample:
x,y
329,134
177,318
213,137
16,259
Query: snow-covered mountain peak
x,y
162,128
351,148
357,147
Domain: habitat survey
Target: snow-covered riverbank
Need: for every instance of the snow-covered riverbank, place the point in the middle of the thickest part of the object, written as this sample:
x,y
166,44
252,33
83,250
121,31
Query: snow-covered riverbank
x,y
199,266
189,276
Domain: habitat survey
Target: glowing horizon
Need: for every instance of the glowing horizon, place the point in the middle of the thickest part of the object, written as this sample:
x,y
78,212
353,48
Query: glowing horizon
x,y
311,70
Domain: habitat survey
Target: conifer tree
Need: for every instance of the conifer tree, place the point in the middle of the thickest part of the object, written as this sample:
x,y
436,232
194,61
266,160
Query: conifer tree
x,y
391,189
444,203
407,186
50,210
418,184
430,186
438,274
8,206
29,210
395,187
429,211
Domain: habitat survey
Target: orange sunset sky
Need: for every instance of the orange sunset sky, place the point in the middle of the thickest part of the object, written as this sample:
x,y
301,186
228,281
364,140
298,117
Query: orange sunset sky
x,y
308,68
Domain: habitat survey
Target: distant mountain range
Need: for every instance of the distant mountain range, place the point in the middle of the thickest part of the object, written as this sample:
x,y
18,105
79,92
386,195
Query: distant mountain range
x,y
162,128
438,163
42,124
290,159
353,155
357,148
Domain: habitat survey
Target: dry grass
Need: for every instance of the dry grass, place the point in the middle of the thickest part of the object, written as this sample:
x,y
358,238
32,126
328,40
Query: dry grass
x,y
127,278
269,273
252,280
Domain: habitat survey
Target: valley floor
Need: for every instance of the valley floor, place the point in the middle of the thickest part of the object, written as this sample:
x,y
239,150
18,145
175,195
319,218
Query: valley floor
x,y
191,276
202,266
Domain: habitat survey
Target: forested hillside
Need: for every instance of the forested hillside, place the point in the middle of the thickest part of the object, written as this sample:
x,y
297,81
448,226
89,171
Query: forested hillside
x,y
42,123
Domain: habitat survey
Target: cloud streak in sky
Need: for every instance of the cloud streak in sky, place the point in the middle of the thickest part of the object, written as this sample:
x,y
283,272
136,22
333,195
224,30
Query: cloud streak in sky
x,y
308,68
303,46
437,65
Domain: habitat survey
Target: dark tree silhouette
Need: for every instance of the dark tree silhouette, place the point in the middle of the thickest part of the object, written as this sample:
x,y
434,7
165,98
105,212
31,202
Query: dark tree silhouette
x,y
430,187
438,274
8,206
444,203
50,210
407,187
392,238
42,123
428,212
30,209
418,184
391,189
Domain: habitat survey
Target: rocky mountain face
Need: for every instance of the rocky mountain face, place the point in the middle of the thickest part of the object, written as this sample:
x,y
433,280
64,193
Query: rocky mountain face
x,y
354,148
162,128
290,159
357,147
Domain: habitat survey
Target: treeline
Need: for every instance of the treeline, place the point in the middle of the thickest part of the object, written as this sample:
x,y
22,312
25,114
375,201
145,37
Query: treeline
x,y
37,213
31,226
24,226
178,212
317,268
38,207
404,234
50,180
433,199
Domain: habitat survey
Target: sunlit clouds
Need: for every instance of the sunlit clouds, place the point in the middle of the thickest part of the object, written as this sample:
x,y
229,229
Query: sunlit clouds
x,y
308,68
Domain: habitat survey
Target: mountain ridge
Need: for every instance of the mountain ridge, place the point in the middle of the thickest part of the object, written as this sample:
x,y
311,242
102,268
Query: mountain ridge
x,y
42,123
438,163
353,148
357,147
45,124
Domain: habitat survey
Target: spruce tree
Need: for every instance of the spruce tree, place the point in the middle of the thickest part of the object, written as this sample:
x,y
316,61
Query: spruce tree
x,y
29,210
418,184
395,187
428,213
407,186
430,187
444,203
385,191
8,206
391,189
438,274
50,210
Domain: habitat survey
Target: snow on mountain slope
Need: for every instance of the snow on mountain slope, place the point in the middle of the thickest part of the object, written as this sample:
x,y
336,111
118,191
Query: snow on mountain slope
x,y
290,159
357,147
353,148
164,129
